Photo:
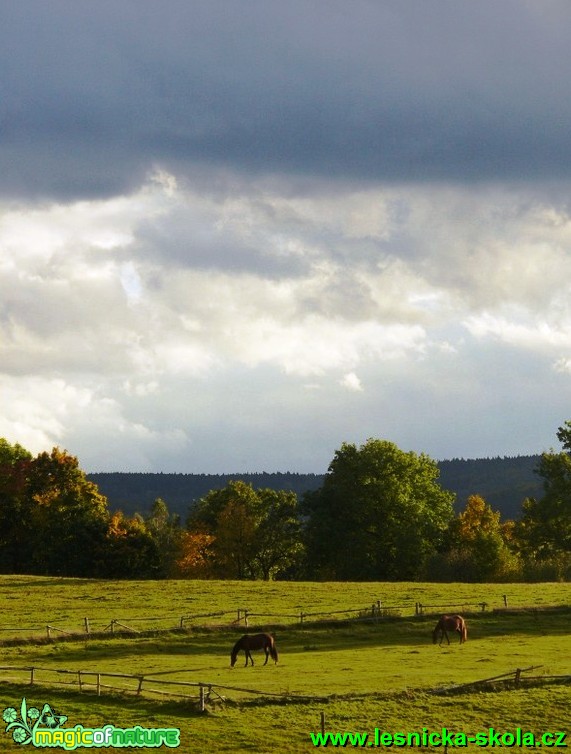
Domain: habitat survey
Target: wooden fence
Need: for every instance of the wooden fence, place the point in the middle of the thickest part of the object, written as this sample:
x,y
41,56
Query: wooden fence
x,y
512,679
240,617
198,693
421,609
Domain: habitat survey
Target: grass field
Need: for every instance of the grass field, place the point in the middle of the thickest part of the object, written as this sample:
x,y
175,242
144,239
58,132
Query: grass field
x,y
359,675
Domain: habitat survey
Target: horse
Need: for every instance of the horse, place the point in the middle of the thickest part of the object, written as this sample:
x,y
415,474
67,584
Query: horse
x,y
254,641
450,623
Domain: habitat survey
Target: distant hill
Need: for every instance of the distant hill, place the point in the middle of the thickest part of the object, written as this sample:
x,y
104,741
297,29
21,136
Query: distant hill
x,y
135,493
503,482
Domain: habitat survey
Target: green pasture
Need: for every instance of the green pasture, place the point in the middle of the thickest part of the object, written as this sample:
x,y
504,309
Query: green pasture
x,y
360,675
29,603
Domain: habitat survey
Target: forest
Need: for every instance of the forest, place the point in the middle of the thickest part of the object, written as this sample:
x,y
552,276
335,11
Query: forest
x,y
504,482
379,513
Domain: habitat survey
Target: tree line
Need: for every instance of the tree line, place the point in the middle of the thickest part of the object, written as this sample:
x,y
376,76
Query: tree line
x,y
380,514
503,481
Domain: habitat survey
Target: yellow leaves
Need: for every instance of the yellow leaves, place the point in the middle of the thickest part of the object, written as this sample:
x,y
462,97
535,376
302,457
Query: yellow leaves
x,y
196,558
117,526
478,517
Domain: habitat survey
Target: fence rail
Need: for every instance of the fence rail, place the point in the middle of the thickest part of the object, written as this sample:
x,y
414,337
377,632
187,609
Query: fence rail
x,y
202,693
196,692
246,617
513,678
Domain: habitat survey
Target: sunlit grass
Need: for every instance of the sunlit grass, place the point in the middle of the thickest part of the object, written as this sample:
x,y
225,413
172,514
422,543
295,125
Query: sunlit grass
x,y
30,603
359,675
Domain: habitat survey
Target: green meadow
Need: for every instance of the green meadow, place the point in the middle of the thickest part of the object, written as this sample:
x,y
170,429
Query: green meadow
x,y
360,675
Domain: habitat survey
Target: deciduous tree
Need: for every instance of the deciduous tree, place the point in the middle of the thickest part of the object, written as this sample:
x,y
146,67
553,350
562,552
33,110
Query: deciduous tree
x,y
545,528
379,515
130,552
14,512
478,545
256,533
68,517
166,531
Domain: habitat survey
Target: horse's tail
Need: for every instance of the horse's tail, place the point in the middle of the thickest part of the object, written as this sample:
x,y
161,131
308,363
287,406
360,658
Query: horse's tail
x,y
464,631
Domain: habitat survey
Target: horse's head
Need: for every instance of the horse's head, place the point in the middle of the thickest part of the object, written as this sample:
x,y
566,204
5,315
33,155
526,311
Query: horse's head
x,y
233,658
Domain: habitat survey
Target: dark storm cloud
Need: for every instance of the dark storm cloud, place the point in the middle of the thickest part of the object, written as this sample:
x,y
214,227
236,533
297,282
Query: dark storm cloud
x,y
94,94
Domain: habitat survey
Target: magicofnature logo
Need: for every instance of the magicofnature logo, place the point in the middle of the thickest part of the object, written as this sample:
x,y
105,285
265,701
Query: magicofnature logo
x,y
44,728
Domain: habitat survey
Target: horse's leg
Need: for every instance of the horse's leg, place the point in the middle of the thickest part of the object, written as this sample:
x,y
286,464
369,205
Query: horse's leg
x,y
248,657
267,655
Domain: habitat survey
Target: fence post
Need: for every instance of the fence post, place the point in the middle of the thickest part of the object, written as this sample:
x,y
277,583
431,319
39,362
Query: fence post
x,y
202,702
48,629
323,723
505,600
79,680
517,678
31,676
246,618
87,629
98,684
301,617
484,606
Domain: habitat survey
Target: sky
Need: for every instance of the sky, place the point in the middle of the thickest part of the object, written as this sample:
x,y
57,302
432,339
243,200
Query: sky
x,y
235,234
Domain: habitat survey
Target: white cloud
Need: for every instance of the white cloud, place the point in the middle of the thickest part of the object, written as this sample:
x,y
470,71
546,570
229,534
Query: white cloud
x,y
520,331
36,412
127,325
563,365
352,382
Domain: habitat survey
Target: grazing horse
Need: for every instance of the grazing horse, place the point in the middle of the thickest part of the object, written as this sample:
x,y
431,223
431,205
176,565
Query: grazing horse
x,y
254,641
450,623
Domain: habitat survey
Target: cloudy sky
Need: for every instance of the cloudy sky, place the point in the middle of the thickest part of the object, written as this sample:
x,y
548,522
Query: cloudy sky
x,y
237,233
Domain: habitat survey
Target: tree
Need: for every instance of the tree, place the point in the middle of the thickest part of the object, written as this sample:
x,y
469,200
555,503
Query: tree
x,y
234,540
380,514
166,531
130,552
197,557
54,521
14,516
545,528
227,515
255,533
478,547
68,517
278,534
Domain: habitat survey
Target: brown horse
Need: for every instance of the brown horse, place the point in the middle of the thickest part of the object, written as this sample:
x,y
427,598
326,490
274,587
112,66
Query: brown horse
x,y
254,641
450,623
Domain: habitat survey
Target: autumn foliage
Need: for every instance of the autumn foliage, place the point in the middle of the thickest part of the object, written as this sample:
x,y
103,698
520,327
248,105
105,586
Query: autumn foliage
x,y
381,514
